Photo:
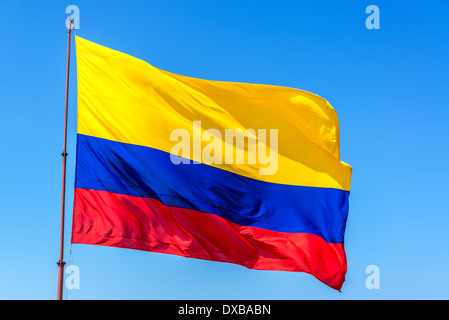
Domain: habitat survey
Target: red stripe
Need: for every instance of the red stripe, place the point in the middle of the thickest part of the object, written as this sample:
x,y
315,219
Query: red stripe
x,y
117,220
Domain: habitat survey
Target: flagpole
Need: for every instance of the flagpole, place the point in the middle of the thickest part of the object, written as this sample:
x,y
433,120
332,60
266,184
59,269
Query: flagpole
x,y
64,154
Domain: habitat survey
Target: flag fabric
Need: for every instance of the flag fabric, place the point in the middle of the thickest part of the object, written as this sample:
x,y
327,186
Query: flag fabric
x,y
157,171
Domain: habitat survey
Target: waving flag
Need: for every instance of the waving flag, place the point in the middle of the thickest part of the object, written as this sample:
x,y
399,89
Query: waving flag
x,y
234,172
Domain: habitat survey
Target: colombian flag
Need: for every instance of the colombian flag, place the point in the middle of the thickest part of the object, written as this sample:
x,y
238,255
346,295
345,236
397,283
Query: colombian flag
x,y
157,171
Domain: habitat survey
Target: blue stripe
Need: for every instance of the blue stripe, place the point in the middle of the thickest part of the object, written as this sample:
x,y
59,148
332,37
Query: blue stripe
x,y
145,172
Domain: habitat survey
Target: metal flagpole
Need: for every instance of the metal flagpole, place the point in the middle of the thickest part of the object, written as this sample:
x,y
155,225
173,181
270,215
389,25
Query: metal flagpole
x,y
61,262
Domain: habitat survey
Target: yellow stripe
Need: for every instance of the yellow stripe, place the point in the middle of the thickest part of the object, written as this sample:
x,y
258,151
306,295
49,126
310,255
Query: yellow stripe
x,y
122,98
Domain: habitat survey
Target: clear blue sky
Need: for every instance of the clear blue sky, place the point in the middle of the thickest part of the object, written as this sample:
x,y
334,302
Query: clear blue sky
x,y
389,88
